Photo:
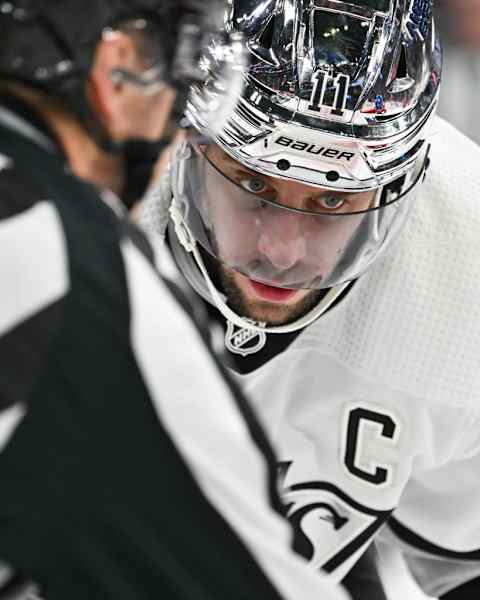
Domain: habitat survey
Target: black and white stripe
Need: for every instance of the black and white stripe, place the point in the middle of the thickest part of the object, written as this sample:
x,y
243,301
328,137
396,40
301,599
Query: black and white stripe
x,y
129,465
25,301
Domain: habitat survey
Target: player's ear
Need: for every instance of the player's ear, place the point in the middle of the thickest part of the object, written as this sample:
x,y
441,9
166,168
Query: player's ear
x,y
116,50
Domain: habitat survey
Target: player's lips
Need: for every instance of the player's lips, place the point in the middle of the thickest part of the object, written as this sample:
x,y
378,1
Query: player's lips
x,y
272,293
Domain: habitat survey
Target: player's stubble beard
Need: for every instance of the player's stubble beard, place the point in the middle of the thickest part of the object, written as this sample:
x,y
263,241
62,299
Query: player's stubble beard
x,y
263,311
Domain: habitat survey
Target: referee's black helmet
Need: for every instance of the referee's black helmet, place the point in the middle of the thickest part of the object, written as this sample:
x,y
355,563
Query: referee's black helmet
x,y
45,42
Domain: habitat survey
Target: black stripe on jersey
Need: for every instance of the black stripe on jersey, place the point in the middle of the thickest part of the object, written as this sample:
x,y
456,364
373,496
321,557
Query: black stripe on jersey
x,y
412,538
467,591
23,353
15,195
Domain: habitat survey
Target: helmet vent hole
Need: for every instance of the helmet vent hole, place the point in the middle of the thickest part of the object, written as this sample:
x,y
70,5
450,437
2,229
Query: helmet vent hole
x,y
283,165
266,39
402,64
401,81
333,176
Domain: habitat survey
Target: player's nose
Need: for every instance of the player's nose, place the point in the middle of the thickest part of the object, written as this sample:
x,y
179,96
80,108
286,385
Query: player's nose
x,y
281,239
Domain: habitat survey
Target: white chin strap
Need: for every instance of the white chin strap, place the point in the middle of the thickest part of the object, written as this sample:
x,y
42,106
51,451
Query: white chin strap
x,y
190,245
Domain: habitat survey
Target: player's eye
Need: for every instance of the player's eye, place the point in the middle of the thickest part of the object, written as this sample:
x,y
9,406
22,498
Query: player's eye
x,y
254,185
330,202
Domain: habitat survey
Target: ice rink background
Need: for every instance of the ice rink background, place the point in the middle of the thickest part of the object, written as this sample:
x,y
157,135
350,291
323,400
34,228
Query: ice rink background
x,y
459,22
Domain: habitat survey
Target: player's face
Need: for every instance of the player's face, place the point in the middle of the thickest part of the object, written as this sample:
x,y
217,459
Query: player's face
x,y
277,254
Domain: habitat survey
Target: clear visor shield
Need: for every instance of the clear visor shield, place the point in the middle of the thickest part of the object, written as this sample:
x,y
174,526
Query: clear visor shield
x,y
284,233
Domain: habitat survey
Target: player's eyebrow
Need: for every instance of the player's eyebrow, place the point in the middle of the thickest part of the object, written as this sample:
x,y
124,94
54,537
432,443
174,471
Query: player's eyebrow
x,y
234,163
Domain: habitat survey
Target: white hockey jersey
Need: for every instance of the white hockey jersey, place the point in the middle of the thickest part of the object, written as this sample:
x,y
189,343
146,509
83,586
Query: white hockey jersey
x,y
374,409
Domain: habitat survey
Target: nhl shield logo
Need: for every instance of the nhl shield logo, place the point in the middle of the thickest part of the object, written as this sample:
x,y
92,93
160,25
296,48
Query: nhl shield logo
x,y
244,341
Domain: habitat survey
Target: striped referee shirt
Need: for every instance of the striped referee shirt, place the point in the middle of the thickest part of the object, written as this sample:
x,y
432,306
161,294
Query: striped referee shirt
x,y
130,466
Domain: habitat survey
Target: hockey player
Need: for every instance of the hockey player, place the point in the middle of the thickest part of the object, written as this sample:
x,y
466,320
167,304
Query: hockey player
x,y
121,476
363,362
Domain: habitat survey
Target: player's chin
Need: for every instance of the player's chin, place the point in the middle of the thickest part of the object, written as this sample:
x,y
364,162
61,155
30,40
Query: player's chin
x,y
272,315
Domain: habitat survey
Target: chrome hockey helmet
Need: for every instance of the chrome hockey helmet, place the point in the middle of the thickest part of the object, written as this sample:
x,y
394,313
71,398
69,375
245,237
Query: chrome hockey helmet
x,y
338,100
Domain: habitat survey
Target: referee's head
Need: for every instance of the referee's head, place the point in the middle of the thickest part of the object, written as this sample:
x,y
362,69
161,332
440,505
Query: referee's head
x,y
121,68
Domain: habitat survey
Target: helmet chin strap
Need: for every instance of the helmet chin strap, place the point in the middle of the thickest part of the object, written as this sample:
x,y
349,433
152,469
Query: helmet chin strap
x,y
190,245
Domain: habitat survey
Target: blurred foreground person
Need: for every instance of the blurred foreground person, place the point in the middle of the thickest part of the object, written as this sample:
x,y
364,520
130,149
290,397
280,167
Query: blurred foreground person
x,y
333,228
130,466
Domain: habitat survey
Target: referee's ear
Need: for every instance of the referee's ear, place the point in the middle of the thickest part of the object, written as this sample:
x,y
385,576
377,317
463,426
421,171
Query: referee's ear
x,y
125,110
115,50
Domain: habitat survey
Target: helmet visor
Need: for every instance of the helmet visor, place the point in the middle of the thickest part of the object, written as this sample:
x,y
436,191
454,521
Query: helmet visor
x,y
285,234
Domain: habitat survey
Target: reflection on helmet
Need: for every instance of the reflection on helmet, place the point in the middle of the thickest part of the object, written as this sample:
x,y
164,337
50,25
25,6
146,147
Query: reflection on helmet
x,y
338,97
